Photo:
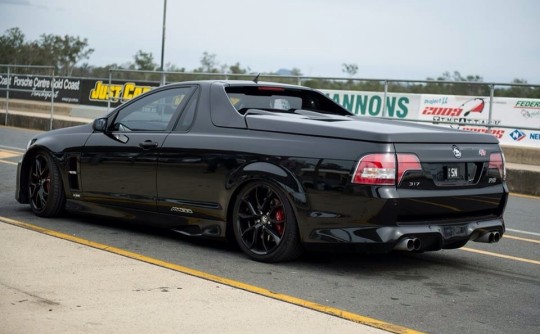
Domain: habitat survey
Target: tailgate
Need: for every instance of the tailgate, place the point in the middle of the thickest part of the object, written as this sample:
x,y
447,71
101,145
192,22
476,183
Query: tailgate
x,y
451,182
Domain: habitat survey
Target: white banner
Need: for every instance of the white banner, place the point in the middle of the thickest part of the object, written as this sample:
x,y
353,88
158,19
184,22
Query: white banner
x,y
470,113
402,106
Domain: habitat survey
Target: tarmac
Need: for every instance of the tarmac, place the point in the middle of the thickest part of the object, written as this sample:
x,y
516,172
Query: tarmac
x,y
52,285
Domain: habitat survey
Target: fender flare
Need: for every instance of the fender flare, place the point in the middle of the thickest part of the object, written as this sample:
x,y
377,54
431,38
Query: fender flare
x,y
270,172
22,193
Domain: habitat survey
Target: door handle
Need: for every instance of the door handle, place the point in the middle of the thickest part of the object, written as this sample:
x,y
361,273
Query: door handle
x,y
148,144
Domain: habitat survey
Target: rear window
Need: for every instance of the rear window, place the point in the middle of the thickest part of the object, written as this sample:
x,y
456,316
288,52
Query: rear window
x,y
279,99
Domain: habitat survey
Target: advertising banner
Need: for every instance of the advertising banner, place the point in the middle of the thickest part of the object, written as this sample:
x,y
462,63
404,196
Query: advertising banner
x,y
97,92
42,88
470,113
401,106
509,116
72,90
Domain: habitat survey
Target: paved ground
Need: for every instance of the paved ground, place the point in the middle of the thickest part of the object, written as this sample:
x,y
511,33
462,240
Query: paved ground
x,y
479,289
49,285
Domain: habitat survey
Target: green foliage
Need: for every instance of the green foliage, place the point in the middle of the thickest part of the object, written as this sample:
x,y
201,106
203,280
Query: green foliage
x,y
144,61
349,69
65,52
61,52
12,47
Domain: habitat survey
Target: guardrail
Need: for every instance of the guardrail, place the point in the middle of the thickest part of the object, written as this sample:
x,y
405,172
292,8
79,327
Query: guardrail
x,y
386,87
11,74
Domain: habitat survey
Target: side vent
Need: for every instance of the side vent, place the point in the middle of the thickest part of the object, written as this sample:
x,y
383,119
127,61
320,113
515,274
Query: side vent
x,y
73,174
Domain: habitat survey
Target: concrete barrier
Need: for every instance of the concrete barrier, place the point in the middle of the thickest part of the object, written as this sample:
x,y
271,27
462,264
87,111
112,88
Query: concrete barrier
x,y
523,180
522,155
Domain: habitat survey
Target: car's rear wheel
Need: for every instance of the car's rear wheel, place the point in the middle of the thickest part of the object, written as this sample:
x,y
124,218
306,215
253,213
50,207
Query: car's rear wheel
x,y
264,224
47,198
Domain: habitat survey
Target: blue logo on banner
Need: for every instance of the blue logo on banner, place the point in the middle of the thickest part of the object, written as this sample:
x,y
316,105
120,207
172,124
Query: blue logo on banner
x,y
517,135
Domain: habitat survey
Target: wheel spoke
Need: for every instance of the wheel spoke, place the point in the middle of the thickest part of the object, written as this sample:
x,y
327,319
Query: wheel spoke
x,y
249,229
255,236
257,201
251,208
44,172
273,234
37,165
267,200
41,198
243,215
33,189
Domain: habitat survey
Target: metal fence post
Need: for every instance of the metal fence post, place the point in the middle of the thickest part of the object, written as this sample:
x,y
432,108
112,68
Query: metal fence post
x,y
7,94
52,102
384,98
490,117
109,91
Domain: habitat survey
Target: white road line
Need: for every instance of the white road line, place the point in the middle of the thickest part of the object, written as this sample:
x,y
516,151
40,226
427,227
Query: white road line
x,y
12,148
524,232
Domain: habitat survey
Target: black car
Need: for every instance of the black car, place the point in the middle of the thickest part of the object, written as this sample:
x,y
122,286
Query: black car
x,y
278,168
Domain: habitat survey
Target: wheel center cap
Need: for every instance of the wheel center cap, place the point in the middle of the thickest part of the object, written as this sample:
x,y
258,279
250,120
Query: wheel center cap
x,y
265,220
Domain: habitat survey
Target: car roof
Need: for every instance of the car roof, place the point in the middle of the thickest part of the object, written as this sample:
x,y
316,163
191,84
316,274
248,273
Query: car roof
x,y
226,83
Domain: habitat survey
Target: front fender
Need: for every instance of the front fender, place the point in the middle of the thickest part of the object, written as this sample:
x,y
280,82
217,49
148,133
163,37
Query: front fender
x,y
23,171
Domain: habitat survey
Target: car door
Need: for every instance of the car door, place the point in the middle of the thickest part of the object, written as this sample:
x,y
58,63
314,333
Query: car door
x,y
119,166
193,165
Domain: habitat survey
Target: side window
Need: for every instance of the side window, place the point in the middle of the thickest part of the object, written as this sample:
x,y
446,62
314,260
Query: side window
x,y
188,115
153,112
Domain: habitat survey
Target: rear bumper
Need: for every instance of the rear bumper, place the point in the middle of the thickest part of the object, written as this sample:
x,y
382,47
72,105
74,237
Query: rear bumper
x,y
386,238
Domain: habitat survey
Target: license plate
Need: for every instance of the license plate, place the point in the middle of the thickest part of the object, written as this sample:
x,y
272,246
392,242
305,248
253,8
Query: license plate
x,y
453,173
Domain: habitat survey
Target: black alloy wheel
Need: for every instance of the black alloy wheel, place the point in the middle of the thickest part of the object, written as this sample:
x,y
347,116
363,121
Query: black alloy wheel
x,y
264,224
45,189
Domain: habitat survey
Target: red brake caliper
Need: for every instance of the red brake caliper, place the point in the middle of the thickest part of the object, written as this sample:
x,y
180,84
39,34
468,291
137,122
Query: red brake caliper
x,y
280,217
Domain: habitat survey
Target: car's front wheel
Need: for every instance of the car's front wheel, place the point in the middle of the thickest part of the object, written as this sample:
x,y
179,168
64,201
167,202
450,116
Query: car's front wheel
x,y
47,198
264,224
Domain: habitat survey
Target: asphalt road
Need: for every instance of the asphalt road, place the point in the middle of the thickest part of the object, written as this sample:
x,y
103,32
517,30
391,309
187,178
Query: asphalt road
x,y
451,291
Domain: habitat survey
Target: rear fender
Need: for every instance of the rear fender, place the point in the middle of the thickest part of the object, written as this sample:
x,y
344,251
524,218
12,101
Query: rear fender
x,y
269,172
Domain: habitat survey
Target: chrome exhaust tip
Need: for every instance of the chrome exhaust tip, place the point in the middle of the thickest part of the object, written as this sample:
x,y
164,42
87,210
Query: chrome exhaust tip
x,y
408,244
489,237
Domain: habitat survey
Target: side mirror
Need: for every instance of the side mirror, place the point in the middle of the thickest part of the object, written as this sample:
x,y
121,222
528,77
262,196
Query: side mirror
x,y
100,125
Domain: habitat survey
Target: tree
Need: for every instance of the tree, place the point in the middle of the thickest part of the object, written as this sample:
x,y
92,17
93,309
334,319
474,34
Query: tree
x,y
296,72
144,61
11,46
237,69
208,63
349,69
61,52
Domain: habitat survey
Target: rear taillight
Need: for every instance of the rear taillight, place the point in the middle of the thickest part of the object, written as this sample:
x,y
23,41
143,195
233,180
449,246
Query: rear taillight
x,y
496,161
407,162
380,168
376,169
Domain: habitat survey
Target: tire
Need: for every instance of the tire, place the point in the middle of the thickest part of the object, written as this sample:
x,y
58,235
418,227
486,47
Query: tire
x,y
264,224
45,187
